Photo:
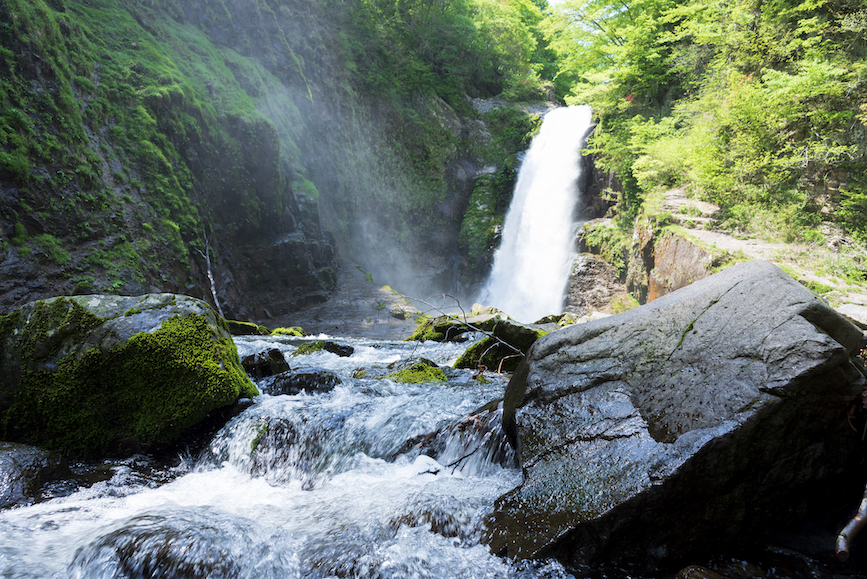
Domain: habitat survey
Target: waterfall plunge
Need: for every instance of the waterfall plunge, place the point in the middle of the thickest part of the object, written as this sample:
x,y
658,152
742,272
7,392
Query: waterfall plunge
x,y
531,267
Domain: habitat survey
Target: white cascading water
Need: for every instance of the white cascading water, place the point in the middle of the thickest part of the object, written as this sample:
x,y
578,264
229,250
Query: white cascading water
x,y
374,479
531,267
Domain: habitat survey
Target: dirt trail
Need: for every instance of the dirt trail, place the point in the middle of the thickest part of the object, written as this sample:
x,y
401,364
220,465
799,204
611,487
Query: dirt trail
x,y
807,263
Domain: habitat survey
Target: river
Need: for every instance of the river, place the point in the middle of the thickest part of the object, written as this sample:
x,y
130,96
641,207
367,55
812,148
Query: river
x,y
371,479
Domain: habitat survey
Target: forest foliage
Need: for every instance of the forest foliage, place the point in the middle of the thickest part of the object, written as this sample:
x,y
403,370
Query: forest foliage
x,y
758,106
453,48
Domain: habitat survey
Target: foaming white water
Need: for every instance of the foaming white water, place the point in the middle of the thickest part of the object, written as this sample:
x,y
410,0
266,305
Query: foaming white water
x,y
531,267
371,479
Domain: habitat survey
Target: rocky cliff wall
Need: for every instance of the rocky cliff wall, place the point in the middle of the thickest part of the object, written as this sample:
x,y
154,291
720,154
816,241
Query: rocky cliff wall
x,y
136,137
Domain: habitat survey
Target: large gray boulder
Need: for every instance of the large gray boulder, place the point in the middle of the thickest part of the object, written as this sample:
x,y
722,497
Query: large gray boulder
x,y
94,375
663,432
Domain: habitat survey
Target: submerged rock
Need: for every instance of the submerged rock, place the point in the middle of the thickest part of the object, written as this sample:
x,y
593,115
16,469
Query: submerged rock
x,y
302,380
671,429
263,364
184,544
81,374
24,470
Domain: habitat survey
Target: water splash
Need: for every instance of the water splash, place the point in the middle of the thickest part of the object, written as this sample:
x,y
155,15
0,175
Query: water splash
x,y
531,267
371,479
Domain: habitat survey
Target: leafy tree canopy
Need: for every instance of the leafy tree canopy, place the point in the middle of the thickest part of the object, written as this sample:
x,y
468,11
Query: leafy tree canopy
x,y
747,103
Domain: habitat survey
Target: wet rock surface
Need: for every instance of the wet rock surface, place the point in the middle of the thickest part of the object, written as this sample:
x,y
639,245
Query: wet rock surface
x,y
342,350
358,307
264,364
302,380
24,470
680,427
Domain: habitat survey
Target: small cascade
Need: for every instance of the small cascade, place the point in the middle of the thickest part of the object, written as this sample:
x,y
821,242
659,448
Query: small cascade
x,y
372,478
531,267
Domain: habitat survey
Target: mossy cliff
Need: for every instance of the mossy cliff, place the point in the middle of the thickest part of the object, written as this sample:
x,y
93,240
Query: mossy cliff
x,y
137,137
87,375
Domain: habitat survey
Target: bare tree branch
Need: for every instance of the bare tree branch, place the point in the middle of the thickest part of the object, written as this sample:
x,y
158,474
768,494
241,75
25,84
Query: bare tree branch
x,y
207,255
465,322
844,539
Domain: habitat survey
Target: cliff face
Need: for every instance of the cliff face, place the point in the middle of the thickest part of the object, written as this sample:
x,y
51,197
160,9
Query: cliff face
x,y
130,148
137,137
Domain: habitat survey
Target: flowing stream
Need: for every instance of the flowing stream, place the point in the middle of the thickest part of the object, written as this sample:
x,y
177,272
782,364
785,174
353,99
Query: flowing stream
x,y
531,268
371,479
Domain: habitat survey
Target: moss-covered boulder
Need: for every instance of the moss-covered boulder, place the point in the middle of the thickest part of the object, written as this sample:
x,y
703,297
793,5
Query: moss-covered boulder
x,y
90,375
451,328
503,349
294,331
312,347
418,373
237,328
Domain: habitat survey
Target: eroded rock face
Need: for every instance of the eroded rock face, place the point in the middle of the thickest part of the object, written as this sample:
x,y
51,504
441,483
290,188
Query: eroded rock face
x,y
84,373
679,262
670,429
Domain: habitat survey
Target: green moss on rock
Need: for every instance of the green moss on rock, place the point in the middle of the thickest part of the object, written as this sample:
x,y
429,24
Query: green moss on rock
x,y
237,328
492,353
296,331
417,374
308,348
425,331
81,383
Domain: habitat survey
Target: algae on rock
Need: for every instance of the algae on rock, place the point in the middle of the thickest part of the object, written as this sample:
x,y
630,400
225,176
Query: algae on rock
x,y
87,375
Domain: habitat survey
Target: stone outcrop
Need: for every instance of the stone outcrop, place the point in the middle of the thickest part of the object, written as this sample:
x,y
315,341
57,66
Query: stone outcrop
x,y
681,426
661,262
90,375
678,261
593,286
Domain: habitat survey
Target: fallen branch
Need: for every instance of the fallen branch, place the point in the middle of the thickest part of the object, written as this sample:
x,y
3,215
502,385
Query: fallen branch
x,y
500,367
844,539
465,322
456,463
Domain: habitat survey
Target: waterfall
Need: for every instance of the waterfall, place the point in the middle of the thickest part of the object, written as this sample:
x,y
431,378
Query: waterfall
x,y
531,267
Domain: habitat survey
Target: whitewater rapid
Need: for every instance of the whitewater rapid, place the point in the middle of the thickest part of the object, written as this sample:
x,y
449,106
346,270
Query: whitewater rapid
x,y
372,479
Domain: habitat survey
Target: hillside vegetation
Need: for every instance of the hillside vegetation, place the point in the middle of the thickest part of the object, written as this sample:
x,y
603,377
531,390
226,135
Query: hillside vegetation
x,y
758,107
